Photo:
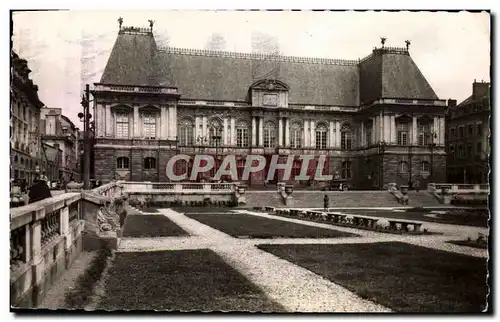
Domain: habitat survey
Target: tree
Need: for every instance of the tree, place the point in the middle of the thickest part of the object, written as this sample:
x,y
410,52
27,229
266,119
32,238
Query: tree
x,y
216,42
263,43
269,45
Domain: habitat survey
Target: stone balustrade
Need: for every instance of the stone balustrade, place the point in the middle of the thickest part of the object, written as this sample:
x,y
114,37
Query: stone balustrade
x,y
45,238
178,187
454,188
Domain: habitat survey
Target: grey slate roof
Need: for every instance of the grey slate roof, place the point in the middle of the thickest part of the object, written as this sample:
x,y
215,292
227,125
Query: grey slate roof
x,y
222,76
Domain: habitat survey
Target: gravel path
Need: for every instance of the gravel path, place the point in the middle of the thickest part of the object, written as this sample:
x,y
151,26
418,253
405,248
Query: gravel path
x,y
295,288
55,297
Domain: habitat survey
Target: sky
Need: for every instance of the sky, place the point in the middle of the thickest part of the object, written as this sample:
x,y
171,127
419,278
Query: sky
x,y
67,49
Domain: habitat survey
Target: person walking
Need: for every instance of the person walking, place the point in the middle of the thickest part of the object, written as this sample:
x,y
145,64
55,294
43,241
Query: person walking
x,y
416,185
326,202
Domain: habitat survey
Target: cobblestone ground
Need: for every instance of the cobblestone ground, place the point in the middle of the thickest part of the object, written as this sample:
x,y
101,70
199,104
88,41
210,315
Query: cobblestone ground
x,y
296,288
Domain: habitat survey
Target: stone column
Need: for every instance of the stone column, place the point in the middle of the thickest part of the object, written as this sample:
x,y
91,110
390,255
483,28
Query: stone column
x,y
387,128
435,130
280,132
414,131
164,122
233,131
287,132
442,130
136,122
254,131
225,132
362,134
109,121
261,131
393,129
172,121
337,134
204,131
380,129
331,135
313,134
307,140
158,128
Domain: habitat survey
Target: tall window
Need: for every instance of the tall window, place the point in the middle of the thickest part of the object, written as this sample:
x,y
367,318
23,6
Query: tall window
x,y
452,133
424,166
186,132
424,134
479,129
149,163
270,135
346,170
461,132
321,136
479,148
296,135
403,133
460,151
403,167
469,149
470,130
368,134
122,163
122,125
149,126
215,132
242,134
183,167
345,137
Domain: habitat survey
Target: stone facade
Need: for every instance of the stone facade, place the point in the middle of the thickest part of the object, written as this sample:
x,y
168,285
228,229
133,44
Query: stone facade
x,y
368,134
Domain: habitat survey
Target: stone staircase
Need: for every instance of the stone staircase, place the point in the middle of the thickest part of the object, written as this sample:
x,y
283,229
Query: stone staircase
x,y
422,199
263,199
314,199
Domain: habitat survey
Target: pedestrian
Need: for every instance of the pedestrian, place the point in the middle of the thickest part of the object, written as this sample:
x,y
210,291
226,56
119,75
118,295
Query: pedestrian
x,y
326,202
417,185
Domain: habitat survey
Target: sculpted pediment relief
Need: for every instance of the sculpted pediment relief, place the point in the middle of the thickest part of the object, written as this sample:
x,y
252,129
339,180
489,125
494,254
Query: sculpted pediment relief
x,y
270,85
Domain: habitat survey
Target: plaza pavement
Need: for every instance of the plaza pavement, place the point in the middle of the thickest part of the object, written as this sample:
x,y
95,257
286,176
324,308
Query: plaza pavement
x,y
295,288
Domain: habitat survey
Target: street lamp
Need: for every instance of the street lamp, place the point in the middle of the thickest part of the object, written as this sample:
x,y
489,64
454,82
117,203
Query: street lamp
x,y
432,146
85,118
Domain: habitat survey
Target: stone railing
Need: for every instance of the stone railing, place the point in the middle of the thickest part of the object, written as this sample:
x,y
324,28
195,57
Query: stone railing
x,y
136,89
45,239
178,187
458,188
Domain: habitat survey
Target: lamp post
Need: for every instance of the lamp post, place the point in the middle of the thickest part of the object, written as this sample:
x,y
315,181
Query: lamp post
x,y
432,146
85,118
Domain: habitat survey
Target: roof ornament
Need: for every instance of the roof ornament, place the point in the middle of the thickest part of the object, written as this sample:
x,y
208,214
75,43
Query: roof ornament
x,y
151,23
408,43
382,40
120,22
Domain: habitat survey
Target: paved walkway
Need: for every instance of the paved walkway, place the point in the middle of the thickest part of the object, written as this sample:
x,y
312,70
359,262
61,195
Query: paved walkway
x,y
295,288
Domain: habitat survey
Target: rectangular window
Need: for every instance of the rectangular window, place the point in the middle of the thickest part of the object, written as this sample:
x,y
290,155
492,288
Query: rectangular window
x,y
469,150
479,148
402,138
452,133
122,125
269,138
149,129
479,129
461,132
242,137
470,131
320,139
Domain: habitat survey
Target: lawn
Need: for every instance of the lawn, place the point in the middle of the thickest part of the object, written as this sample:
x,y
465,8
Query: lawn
x,y
468,219
187,280
402,277
151,226
243,225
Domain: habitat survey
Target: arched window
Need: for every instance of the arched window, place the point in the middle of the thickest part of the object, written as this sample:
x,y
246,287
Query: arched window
x,y
296,135
345,137
403,167
402,132
122,125
346,170
149,129
186,132
122,163
321,136
215,132
270,134
149,163
424,134
242,134
424,166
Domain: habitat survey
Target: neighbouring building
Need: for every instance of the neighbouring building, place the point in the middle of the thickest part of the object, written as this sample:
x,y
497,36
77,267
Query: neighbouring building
x,y
25,145
468,137
377,120
60,133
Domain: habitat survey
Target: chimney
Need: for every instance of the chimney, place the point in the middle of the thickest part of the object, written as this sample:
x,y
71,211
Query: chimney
x,y
480,90
452,103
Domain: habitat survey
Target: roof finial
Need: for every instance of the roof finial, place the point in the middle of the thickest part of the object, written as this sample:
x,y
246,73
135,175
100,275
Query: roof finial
x,y
151,23
382,40
120,22
408,43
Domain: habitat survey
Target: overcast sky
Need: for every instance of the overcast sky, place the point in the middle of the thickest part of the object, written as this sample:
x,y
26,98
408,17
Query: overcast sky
x,y
65,50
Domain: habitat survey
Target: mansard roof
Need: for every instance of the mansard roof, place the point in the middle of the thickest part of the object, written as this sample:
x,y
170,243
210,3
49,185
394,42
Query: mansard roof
x,y
227,76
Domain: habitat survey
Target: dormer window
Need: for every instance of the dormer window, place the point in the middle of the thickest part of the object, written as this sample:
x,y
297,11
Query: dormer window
x,y
269,93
